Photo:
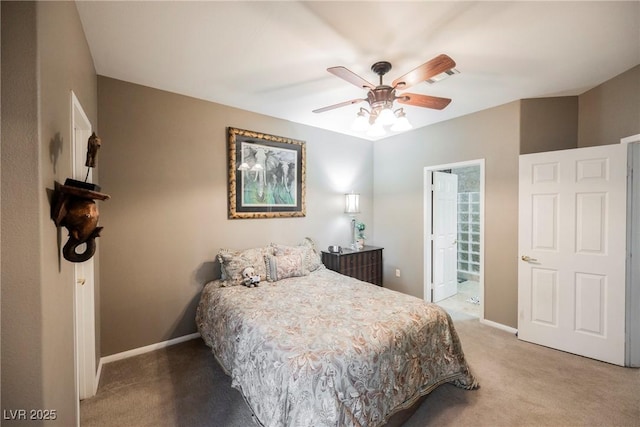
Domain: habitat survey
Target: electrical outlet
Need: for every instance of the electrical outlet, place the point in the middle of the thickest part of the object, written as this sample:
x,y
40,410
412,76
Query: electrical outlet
x,y
397,272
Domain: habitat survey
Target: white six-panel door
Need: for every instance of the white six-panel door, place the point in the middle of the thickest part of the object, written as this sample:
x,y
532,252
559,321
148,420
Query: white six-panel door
x,y
572,230
445,234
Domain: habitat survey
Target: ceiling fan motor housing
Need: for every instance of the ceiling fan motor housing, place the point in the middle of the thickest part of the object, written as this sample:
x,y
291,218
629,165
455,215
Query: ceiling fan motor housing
x,y
381,97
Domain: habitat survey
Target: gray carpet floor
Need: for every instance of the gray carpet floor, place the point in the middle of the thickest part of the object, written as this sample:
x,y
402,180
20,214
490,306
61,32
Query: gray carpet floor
x,y
521,384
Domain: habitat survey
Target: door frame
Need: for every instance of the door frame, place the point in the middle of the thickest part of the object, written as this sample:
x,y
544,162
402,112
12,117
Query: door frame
x,y
84,298
632,319
427,226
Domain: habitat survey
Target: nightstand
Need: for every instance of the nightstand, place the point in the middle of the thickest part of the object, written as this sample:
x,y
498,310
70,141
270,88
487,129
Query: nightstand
x,y
365,264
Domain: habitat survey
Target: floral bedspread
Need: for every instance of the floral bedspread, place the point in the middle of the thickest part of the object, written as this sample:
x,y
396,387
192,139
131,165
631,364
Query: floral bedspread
x,y
328,350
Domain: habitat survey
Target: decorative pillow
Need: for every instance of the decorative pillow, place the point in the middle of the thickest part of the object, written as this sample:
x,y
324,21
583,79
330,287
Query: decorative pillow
x,y
283,266
311,259
233,262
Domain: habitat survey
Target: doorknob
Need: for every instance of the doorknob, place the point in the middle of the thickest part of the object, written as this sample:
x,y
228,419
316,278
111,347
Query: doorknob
x,y
81,281
527,258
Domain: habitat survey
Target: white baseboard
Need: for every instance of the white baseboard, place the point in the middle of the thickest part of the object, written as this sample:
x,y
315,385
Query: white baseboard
x,y
499,326
147,349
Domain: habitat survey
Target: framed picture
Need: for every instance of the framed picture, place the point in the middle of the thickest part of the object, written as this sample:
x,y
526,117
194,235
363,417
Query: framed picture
x,y
266,175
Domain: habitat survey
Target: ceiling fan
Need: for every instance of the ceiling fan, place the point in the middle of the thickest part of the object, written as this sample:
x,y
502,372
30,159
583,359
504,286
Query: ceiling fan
x,y
382,97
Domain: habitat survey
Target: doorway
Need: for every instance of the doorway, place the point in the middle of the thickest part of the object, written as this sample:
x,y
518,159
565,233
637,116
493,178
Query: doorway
x,y
467,299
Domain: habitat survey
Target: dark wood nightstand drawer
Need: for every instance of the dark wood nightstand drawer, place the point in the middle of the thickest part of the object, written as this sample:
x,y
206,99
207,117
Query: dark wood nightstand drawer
x,y
365,264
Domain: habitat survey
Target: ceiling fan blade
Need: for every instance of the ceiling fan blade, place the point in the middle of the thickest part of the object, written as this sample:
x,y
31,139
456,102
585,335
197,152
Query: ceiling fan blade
x,y
351,77
425,101
437,65
342,104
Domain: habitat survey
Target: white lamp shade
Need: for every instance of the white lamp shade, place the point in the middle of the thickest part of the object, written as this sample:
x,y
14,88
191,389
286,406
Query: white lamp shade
x,y
386,117
352,203
361,123
401,124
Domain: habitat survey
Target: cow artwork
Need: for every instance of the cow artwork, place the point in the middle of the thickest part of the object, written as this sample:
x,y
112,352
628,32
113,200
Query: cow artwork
x,y
266,175
271,177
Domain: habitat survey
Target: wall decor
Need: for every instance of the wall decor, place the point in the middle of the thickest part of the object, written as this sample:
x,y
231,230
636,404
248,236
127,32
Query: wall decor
x,y
74,207
266,175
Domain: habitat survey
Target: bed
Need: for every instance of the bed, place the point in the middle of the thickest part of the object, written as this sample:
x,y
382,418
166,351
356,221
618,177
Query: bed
x,y
311,347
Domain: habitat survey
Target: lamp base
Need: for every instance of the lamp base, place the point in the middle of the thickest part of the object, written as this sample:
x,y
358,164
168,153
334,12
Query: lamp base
x,y
353,245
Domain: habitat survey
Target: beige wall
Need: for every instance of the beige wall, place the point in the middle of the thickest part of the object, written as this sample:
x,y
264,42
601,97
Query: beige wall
x,y
548,124
164,163
21,300
399,162
44,57
610,111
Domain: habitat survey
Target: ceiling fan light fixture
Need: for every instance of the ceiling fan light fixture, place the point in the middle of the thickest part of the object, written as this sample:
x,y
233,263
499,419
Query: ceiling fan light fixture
x,y
442,76
402,123
386,117
361,123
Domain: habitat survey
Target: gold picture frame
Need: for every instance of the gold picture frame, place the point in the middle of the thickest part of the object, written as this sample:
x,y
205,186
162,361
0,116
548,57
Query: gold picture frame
x,y
266,175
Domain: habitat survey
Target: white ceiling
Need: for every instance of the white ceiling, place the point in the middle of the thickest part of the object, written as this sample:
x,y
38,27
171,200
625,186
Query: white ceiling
x,y
271,57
